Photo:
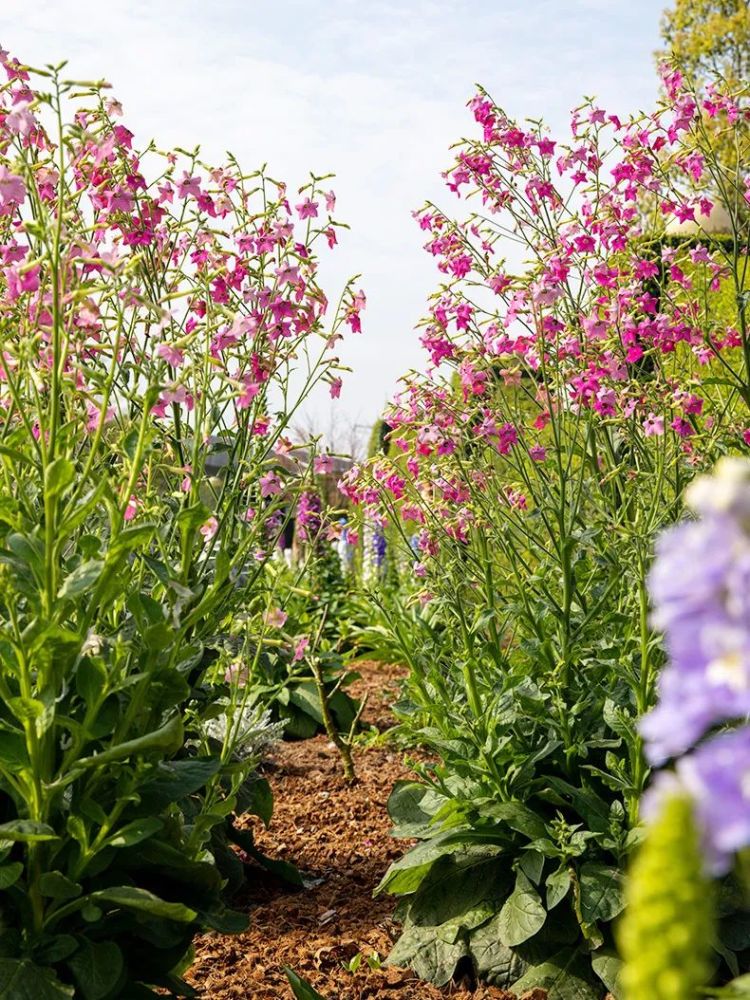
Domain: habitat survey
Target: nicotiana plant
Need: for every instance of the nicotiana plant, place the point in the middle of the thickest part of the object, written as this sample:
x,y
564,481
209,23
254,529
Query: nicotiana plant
x,y
569,398
160,321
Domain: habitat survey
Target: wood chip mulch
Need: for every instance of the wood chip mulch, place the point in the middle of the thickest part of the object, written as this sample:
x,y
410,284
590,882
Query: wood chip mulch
x,y
338,835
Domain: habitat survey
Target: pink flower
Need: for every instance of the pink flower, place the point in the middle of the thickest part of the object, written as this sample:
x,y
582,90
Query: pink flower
x,y
653,425
12,190
335,389
537,453
323,464
172,355
330,202
209,529
189,186
300,649
275,618
270,484
307,209
249,514
131,508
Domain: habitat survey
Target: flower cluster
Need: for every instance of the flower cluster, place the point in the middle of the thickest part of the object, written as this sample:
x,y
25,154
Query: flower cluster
x,y
610,318
699,588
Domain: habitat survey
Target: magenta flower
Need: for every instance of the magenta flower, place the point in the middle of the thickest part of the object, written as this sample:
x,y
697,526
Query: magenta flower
x,y
300,649
307,209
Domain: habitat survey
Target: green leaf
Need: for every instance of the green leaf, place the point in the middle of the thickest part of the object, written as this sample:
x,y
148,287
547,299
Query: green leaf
x,y
411,806
26,831
564,977
168,738
135,832
255,797
20,980
496,964
522,914
81,579
405,875
429,956
558,885
176,779
601,888
518,817
57,886
97,967
301,989
58,475
460,892
10,874
133,898
608,967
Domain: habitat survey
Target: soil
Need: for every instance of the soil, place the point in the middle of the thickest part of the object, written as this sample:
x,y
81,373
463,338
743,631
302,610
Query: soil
x,y
338,835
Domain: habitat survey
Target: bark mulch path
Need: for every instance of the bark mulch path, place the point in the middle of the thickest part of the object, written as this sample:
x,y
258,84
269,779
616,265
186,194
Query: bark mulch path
x,y
339,835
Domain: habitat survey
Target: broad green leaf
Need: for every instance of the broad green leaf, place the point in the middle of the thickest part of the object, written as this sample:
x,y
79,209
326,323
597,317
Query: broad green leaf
x,y
55,885
564,977
601,888
305,697
176,779
430,957
13,751
608,967
301,989
496,964
10,874
97,967
21,980
522,914
460,892
405,875
518,817
558,885
411,806
168,737
26,831
135,832
81,579
58,475
132,898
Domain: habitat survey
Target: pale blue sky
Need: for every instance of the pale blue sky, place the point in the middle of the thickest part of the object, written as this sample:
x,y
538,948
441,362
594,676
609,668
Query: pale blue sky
x,y
374,91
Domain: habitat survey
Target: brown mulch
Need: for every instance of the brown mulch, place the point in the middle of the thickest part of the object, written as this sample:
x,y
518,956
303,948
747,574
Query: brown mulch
x,y
339,835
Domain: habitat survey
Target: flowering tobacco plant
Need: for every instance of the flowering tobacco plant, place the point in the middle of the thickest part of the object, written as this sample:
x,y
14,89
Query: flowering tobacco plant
x,y
160,322
571,392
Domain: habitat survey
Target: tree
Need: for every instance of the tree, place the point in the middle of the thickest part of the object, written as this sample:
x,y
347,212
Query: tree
x,y
709,38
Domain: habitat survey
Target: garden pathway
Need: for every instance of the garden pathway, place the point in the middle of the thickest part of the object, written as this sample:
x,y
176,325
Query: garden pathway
x,y
338,835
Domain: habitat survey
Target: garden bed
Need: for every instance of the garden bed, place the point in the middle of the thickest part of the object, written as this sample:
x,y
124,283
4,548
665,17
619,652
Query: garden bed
x,y
339,836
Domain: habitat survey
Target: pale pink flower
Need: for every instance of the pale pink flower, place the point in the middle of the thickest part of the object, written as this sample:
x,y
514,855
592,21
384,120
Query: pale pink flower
x,y
653,425
12,190
323,464
209,529
275,618
171,354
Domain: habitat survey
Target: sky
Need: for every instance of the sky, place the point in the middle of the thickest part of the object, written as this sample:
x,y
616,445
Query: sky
x,y
373,91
